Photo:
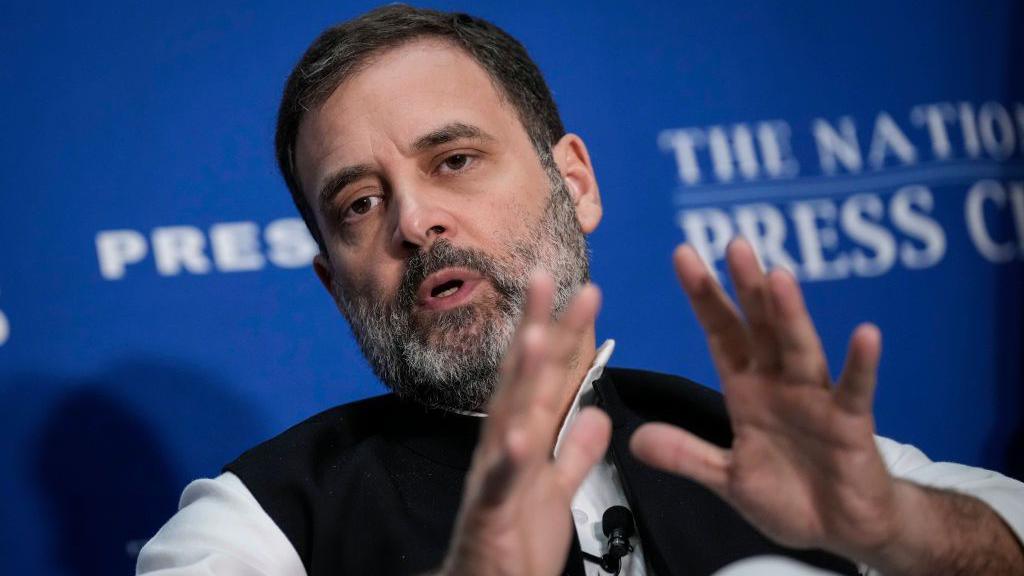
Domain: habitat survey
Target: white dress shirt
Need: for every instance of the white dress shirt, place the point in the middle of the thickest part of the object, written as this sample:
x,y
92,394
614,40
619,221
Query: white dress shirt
x,y
221,529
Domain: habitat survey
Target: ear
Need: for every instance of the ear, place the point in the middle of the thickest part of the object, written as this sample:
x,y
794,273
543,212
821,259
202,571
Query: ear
x,y
573,162
323,270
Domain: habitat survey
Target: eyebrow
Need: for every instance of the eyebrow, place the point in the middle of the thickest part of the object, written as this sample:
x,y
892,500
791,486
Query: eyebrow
x,y
336,182
450,132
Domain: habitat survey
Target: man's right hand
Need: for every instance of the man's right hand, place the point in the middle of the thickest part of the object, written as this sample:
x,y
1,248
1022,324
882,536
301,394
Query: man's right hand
x,y
515,512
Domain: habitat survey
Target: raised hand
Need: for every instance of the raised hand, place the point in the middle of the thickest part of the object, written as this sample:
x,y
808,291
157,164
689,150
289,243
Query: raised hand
x,y
514,517
803,467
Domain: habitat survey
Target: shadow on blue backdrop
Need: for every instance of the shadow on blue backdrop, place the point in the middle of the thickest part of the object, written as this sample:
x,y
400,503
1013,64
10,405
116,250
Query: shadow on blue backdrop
x,y
106,471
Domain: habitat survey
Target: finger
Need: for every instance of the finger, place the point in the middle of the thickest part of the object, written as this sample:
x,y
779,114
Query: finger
x,y
800,350
575,323
508,399
675,450
563,358
856,391
536,313
726,335
584,446
546,395
537,309
752,292
536,392
540,296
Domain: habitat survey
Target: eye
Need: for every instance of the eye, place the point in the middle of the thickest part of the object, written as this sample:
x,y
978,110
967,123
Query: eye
x,y
362,205
455,163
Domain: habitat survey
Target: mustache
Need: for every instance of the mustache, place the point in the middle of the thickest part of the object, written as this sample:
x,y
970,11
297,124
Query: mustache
x,y
443,254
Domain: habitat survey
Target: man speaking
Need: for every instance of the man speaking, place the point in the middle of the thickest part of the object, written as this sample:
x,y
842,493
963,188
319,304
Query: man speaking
x,y
451,208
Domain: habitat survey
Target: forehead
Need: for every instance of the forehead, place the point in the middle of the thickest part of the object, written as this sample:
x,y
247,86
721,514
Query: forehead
x,y
396,97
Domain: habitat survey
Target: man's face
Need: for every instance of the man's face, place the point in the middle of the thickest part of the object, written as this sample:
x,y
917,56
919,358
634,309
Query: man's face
x,y
435,209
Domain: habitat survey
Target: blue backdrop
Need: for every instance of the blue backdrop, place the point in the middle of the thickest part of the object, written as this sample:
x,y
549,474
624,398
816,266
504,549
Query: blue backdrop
x,y
157,310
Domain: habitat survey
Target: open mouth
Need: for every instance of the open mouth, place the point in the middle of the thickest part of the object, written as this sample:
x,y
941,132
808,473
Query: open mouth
x,y
448,288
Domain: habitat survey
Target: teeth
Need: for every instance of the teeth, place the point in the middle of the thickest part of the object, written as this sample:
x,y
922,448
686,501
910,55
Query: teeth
x,y
447,292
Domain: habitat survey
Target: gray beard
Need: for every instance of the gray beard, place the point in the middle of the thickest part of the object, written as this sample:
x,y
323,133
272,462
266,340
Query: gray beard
x,y
453,361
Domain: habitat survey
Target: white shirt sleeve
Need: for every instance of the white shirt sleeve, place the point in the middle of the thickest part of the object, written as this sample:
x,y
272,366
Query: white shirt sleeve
x,y
1004,495
220,529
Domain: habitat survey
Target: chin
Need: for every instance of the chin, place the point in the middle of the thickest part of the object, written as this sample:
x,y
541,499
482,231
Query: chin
x,y
458,331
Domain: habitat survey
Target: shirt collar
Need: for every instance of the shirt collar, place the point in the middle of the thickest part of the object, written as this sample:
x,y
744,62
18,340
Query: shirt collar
x,y
585,394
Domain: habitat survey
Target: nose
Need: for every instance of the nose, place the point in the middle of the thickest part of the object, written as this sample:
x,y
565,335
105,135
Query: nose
x,y
421,221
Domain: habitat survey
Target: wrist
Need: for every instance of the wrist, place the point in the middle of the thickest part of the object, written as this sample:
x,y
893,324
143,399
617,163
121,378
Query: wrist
x,y
915,535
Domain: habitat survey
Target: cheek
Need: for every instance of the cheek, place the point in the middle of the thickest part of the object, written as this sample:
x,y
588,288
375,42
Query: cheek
x,y
371,276
510,212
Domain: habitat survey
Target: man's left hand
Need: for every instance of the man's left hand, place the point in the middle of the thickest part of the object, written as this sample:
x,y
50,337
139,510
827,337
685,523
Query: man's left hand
x,y
803,466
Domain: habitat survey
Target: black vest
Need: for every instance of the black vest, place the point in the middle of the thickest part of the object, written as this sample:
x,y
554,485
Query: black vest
x,y
373,487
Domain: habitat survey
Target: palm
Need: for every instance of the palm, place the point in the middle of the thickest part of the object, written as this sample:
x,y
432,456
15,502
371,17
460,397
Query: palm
x,y
803,466
798,457
514,522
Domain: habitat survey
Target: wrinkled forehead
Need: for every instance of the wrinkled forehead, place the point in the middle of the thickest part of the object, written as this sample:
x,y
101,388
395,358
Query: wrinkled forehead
x,y
393,98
